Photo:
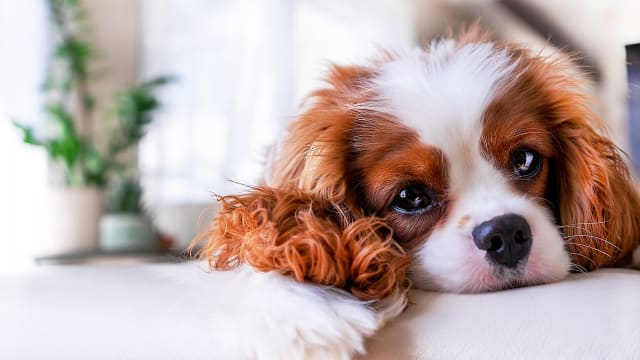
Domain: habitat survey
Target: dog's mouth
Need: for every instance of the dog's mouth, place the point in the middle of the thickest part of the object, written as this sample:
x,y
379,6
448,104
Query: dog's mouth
x,y
497,277
500,277
509,274
511,277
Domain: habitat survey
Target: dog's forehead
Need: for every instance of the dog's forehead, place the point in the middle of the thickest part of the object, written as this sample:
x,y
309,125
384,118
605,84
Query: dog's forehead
x,y
442,92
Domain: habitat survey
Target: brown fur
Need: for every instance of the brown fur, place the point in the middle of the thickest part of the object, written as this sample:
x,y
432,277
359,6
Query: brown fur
x,y
584,175
309,238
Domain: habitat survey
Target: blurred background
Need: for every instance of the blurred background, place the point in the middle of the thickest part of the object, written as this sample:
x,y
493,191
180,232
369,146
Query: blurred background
x,y
231,74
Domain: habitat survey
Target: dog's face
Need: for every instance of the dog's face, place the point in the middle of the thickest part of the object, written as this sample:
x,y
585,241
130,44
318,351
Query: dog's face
x,y
464,171
483,160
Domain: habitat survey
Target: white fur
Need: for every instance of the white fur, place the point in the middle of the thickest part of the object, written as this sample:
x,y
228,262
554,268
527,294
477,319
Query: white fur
x,y
442,93
450,261
256,315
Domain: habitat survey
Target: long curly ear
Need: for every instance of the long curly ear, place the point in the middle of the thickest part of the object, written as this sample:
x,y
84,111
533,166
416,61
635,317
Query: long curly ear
x,y
599,207
306,224
307,237
313,158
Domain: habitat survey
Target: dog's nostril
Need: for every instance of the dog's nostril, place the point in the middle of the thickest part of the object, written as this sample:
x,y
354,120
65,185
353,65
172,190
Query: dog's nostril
x,y
505,238
496,243
519,237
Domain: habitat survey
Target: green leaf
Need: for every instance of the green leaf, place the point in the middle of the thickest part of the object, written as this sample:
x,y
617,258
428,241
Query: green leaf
x,y
68,145
28,136
125,196
76,53
89,102
62,118
66,149
93,161
82,14
133,107
158,81
72,3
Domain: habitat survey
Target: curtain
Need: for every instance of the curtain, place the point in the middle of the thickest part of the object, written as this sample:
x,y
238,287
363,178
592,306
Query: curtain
x,y
242,67
23,180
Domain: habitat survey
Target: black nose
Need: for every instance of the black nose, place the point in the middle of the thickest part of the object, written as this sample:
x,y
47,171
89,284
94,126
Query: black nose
x,y
506,238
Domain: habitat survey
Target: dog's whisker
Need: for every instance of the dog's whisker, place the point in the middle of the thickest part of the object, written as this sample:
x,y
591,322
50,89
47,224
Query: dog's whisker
x,y
578,268
543,200
585,223
576,227
583,256
590,247
593,237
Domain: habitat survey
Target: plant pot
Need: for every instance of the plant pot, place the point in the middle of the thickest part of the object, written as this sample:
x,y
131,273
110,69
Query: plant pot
x,y
74,217
126,232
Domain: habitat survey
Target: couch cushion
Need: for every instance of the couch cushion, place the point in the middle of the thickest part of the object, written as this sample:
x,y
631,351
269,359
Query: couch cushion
x,y
161,312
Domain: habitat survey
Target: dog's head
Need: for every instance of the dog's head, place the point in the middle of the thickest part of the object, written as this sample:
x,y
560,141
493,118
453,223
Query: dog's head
x,y
482,161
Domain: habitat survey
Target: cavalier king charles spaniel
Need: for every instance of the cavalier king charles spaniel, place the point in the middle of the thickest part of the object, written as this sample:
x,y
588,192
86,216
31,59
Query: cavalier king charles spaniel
x,y
468,166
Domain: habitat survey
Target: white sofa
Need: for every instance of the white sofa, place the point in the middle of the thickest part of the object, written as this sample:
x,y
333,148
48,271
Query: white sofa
x,y
160,312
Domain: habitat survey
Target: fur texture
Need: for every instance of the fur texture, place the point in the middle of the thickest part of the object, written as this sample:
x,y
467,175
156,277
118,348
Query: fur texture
x,y
309,238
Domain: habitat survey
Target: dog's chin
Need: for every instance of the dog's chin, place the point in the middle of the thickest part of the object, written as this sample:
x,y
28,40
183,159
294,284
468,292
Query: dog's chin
x,y
499,278
510,278
484,285
487,278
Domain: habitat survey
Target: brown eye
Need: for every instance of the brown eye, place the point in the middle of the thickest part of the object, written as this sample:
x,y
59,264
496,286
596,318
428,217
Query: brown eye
x,y
412,200
526,164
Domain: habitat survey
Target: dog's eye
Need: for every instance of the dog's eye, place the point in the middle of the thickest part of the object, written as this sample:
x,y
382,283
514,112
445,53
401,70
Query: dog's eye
x,y
412,200
526,164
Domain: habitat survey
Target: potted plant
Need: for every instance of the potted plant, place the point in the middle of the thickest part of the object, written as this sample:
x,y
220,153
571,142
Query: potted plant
x,y
70,137
125,226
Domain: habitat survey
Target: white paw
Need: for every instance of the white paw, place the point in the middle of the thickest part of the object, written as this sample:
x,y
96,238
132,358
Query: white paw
x,y
270,316
392,306
318,323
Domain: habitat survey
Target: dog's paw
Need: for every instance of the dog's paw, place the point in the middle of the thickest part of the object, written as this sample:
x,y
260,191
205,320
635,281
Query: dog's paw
x,y
314,322
275,317
390,307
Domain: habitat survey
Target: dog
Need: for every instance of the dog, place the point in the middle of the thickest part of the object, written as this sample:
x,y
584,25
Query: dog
x,y
469,166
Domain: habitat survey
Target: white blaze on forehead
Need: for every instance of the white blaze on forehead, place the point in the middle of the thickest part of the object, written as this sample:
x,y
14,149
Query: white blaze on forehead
x,y
442,93
443,88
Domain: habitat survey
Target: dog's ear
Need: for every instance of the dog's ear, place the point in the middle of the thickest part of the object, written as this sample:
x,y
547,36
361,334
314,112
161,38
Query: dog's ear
x,y
313,157
305,222
599,207
307,237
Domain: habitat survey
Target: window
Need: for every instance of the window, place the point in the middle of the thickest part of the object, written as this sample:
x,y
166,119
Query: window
x,y
242,68
23,180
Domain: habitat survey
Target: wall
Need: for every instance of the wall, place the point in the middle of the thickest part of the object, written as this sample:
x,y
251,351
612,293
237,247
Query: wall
x,y
114,29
